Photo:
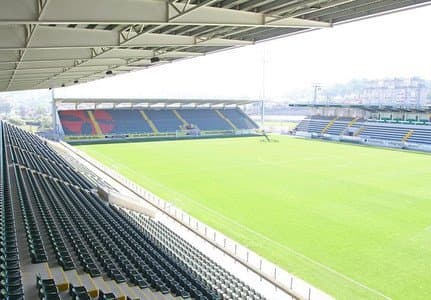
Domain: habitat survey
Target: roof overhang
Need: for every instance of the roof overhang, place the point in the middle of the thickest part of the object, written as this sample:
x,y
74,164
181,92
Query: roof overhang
x,y
53,43
155,102
367,107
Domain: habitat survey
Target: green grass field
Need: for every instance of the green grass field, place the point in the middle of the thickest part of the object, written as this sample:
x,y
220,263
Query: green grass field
x,y
354,221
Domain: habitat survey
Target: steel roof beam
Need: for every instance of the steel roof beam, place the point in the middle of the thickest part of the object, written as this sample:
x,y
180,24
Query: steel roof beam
x,y
126,12
46,37
125,34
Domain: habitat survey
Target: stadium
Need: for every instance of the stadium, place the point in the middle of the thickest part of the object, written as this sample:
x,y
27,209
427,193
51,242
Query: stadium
x,y
180,198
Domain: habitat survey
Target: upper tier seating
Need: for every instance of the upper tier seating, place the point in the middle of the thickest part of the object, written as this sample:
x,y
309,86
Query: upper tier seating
x,y
367,129
150,121
67,225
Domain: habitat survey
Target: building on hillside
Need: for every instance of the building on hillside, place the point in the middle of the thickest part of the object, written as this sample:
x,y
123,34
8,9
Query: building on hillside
x,y
398,91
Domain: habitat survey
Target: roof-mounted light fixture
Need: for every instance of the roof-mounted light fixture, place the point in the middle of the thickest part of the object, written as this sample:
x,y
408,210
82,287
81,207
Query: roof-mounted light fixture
x,y
154,59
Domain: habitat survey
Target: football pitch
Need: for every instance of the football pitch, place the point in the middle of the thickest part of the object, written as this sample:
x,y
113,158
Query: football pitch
x,y
353,221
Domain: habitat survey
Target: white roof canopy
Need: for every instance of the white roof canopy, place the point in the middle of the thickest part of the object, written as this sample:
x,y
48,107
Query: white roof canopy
x,y
64,103
50,43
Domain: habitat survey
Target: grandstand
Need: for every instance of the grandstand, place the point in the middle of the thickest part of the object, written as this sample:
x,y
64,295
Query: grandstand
x,y
153,118
407,128
55,225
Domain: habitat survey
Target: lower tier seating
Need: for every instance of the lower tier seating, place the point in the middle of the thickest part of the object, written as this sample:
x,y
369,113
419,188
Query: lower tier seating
x,y
226,285
151,121
420,134
10,266
67,226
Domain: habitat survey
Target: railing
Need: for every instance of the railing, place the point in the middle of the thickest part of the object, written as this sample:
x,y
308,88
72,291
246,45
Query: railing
x,y
276,276
158,134
129,135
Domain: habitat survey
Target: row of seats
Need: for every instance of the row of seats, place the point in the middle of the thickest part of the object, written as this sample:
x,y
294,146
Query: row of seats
x,y
46,288
165,120
34,239
240,119
108,246
339,126
124,122
312,125
205,119
134,121
10,268
62,252
34,162
368,130
39,157
421,135
226,285
61,211
389,133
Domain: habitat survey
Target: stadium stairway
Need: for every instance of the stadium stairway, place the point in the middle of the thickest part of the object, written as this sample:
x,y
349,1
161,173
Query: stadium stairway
x,y
239,119
359,130
164,120
420,135
314,124
303,125
206,119
148,120
353,122
177,114
226,119
325,130
407,135
339,126
390,133
94,122
128,122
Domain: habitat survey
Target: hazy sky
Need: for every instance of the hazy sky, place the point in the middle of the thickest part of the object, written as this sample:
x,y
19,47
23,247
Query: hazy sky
x,y
396,45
